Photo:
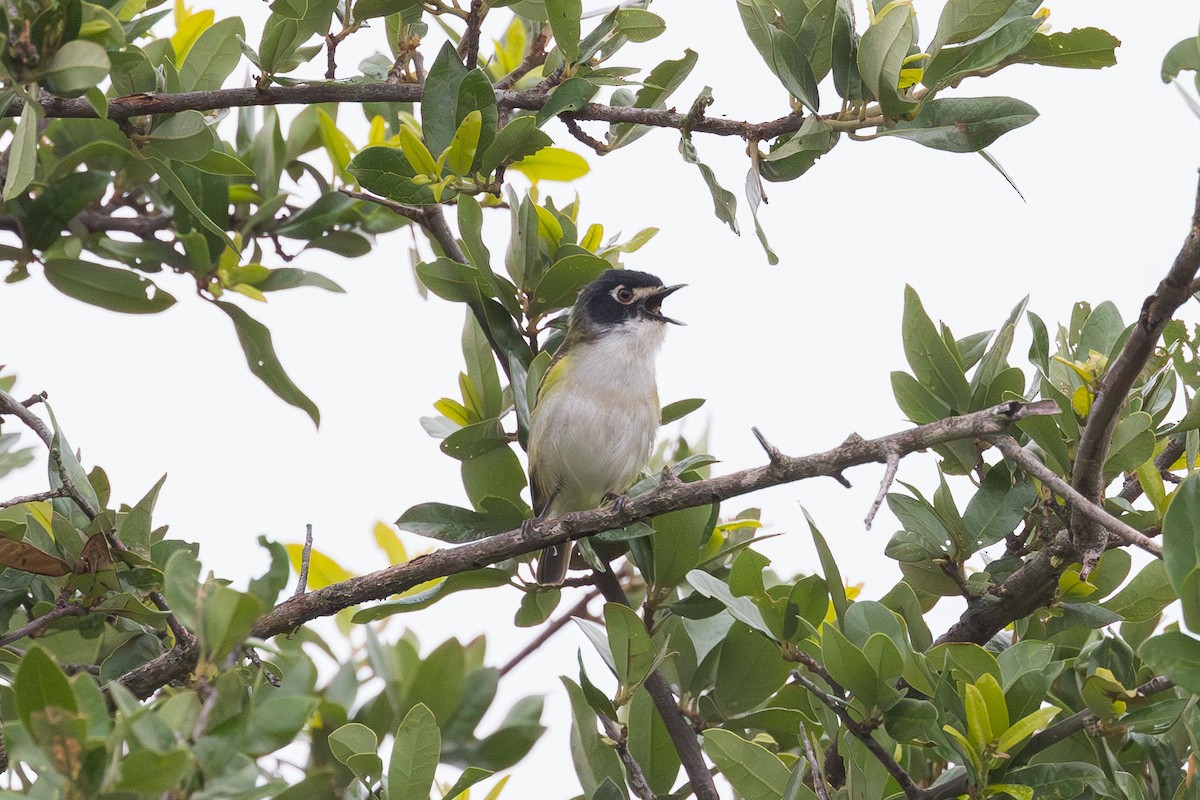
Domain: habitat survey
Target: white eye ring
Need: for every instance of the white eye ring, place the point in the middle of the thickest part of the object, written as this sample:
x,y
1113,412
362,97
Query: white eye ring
x,y
624,295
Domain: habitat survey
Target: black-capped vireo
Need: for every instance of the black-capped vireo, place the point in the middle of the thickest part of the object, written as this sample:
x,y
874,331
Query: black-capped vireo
x,y
597,408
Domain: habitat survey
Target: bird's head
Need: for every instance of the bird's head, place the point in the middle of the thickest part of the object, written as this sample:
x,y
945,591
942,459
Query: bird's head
x,y
621,296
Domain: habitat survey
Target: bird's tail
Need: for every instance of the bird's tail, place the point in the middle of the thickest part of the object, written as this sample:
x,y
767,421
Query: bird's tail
x,y
553,564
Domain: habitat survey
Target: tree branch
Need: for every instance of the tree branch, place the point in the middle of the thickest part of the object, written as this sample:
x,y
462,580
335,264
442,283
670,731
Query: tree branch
x,y
862,732
61,609
533,59
548,630
152,103
683,736
1088,471
633,770
1095,514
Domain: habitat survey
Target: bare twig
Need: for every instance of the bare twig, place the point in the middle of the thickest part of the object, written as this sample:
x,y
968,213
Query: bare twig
x,y
415,213
817,778
633,770
61,609
579,133
889,475
535,57
34,498
305,558
683,737
1087,474
862,732
40,397
548,630
1088,510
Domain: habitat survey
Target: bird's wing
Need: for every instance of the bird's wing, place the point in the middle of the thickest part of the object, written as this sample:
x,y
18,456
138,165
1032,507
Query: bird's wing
x,y
540,489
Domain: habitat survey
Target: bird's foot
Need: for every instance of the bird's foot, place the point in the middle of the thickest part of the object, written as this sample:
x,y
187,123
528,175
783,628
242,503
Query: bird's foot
x,y
620,502
527,526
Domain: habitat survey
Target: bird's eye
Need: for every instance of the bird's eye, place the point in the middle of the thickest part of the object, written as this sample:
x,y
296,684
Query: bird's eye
x,y
624,295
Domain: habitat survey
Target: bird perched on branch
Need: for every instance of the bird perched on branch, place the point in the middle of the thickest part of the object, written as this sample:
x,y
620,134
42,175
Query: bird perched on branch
x,y
597,408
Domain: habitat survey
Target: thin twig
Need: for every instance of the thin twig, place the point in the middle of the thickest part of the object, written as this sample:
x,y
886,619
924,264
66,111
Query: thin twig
x,y
1080,505
40,397
34,498
579,133
548,630
61,609
683,737
633,770
889,475
819,787
415,213
862,732
305,558
535,57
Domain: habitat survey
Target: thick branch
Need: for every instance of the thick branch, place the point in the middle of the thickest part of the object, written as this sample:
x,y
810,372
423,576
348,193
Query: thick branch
x,y
95,221
669,497
1087,475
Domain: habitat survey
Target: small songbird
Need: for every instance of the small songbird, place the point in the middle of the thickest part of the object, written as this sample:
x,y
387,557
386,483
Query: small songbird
x,y
597,408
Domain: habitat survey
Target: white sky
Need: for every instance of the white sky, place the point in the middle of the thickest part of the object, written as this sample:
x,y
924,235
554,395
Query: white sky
x,y
802,350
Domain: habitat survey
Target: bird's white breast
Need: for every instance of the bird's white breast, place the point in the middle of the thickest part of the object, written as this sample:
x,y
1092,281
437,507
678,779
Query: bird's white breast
x,y
592,433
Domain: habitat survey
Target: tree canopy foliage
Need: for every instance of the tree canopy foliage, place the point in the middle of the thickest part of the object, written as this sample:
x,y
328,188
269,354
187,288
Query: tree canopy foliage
x,y
128,670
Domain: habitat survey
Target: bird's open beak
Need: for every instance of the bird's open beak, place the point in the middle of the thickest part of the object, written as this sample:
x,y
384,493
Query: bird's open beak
x,y
653,303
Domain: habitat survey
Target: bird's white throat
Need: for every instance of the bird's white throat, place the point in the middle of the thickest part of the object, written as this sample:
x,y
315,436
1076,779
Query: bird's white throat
x,y
622,359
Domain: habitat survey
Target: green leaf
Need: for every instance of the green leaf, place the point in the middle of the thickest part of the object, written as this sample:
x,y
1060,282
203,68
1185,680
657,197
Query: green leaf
x,y
22,153
749,671
180,191
783,54
964,124
935,367
965,19
1026,727
443,81
650,744
537,605
552,164
564,17
724,201
466,779
452,524
679,409
1001,41
352,739
415,754
560,284
632,649
849,667
1175,655
213,57
460,155
387,172
754,772
1145,596
39,685
184,137
146,772
227,616
518,139
997,508
1132,443
108,287
260,357
370,9
291,278
679,539
740,608
1183,56
570,95
1081,48
487,578
639,25
881,52
1181,547
833,576
595,762
76,67
417,153
58,203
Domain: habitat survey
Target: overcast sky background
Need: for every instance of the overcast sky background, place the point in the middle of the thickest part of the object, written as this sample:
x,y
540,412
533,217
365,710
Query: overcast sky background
x,y
803,350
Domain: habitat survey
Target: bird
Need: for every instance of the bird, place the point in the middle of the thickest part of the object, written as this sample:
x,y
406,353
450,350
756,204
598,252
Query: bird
x,y
596,415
